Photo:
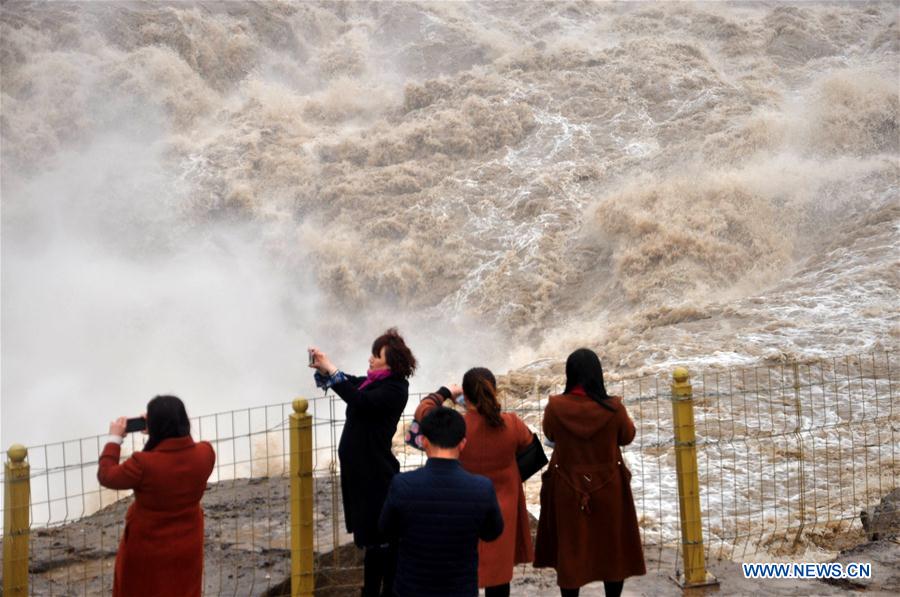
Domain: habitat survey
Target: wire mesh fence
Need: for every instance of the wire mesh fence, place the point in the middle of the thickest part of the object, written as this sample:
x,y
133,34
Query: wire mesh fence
x,y
792,453
788,455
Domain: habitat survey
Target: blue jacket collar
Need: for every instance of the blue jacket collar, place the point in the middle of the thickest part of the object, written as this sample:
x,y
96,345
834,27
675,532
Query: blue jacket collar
x,y
442,463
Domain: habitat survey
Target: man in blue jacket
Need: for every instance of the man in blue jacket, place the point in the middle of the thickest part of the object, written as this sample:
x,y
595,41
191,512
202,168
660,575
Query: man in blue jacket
x,y
438,513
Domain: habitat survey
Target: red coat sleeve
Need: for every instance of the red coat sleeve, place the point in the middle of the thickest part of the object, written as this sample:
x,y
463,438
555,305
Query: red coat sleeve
x,y
113,475
549,423
212,455
626,426
428,403
524,435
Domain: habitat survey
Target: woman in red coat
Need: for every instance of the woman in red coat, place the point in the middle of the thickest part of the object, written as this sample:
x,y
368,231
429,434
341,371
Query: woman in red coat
x,y
588,526
492,441
161,551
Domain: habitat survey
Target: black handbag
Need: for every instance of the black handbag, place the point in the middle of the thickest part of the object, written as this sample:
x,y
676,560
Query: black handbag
x,y
531,459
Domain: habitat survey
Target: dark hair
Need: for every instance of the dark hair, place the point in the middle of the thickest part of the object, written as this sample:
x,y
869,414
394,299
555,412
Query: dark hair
x,y
583,369
480,388
399,357
444,427
166,418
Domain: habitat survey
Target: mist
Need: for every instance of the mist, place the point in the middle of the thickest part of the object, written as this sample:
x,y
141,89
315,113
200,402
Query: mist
x,y
112,295
110,298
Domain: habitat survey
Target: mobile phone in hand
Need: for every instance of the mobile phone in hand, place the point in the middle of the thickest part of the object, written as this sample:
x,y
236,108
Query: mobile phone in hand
x,y
136,424
312,358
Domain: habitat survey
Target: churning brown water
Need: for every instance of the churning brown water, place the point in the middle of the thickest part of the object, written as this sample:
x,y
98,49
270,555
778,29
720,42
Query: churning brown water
x,y
194,192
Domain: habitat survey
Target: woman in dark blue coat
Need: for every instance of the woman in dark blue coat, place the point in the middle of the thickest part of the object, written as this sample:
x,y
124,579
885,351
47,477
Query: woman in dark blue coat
x,y
374,405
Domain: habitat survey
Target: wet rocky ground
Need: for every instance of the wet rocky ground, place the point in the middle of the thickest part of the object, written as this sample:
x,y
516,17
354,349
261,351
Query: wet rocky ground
x,y
247,553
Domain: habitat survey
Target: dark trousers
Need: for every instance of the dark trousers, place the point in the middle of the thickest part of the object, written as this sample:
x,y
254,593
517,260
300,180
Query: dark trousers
x,y
379,570
497,591
613,588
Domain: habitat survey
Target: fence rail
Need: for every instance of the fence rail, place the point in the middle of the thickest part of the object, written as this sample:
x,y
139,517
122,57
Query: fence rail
x,y
787,456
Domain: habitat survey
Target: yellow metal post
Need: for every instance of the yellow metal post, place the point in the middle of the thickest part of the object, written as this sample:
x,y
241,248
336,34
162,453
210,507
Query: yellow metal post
x,y
16,528
695,573
797,429
302,574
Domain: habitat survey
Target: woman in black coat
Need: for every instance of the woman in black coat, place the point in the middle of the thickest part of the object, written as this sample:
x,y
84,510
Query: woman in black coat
x,y
374,406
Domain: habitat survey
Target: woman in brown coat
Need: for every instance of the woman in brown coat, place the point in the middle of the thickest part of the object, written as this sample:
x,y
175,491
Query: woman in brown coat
x,y
492,441
588,527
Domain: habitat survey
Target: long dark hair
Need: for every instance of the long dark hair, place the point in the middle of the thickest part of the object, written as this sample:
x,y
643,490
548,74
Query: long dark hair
x,y
399,357
583,369
166,418
480,388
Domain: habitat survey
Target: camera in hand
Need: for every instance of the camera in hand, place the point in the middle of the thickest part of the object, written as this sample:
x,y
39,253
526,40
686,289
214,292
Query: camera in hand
x,y
136,424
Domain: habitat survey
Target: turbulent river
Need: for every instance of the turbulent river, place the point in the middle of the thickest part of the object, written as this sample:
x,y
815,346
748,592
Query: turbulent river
x,y
193,193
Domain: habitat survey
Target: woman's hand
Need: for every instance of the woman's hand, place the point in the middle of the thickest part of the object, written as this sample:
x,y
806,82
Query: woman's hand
x,y
117,427
321,362
455,390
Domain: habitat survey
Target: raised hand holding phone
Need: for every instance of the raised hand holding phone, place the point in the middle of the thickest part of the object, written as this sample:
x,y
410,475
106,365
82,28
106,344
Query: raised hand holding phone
x,y
118,427
319,360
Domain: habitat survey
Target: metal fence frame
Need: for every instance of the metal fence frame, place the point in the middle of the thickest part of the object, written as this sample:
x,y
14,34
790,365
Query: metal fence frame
x,y
786,457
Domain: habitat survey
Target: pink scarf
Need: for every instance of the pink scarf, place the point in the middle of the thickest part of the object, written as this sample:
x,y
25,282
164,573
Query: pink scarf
x,y
374,376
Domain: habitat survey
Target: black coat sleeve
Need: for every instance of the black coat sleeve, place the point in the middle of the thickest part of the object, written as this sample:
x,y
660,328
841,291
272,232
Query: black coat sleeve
x,y
390,395
492,525
354,379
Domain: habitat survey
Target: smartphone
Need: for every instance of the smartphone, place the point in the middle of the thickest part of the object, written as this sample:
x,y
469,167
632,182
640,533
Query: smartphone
x,y
136,424
312,357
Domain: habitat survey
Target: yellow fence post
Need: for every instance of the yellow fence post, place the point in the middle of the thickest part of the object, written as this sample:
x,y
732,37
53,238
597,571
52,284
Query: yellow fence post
x,y
302,573
695,573
16,528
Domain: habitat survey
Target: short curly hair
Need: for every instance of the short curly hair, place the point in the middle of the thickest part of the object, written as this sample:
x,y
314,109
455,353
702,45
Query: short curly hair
x,y
399,357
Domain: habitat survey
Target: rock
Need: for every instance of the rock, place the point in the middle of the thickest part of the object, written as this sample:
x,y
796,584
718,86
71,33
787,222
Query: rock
x,y
882,521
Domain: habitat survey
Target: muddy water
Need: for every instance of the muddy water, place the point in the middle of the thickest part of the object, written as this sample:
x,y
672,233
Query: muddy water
x,y
192,189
